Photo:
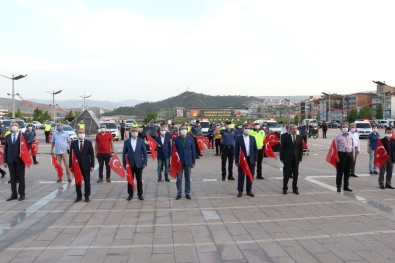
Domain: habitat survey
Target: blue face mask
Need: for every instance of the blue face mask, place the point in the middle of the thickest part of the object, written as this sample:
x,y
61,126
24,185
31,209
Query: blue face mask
x,y
59,129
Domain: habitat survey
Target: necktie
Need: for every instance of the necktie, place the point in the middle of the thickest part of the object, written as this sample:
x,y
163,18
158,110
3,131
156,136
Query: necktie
x,y
294,138
14,139
81,145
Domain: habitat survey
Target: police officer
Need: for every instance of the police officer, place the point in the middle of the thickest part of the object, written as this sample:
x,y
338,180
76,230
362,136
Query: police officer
x,y
47,131
259,136
228,151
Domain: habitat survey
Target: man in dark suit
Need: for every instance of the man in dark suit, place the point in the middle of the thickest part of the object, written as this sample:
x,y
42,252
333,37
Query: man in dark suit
x,y
185,146
15,164
85,155
163,153
291,153
247,144
135,150
389,146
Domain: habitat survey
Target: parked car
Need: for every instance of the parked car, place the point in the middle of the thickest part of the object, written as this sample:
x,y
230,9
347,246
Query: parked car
x,y
112,128
70,131
333,124
364,128
37,125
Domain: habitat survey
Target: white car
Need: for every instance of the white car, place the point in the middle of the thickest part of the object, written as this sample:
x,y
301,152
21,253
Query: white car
x,y
37,125
70,131
364,128
112,127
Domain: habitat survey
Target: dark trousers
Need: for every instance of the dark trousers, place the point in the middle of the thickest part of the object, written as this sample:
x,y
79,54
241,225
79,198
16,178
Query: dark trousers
x,y
87,184
387,167
343,168
227,155
241,177
198,153
323,133
211,140
104,158
291,167
218,149
138,174
47,136
352,169
17,173
259,164
122,133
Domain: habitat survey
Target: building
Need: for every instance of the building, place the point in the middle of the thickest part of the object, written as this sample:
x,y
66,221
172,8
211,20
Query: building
x,y
385,95
356,101
3,113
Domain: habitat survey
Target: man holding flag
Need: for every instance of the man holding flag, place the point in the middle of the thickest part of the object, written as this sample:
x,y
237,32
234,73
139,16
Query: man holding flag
x,y
247,145
163,153
345,148
259,136
82,162
135,151
388,165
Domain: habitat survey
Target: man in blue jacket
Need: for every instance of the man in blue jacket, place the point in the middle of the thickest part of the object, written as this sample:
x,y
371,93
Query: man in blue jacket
x,y
135,150
163,153
186,151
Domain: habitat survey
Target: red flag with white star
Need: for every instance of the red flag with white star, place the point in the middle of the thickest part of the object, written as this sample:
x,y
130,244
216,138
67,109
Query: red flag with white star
x,y
116,166
380,156
332,155
76,170
152,146
268,150
175,164
129,174
57,166
24,151
1,154
244,166
34,148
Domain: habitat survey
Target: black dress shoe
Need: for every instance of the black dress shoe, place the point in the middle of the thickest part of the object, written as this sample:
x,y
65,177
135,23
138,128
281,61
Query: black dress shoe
x,y
389,187
36,163
223,178
77,199
188,197
3,174
353,175
99,180
108,180
130,197
231,178
200,154
12,198
339,190
141,197
59,180
178,197
295,192
250,194
382,187
87,199
347,189
284,192
240,194
167,180
375,172
371,172
197,157
260,177
291,176
21,198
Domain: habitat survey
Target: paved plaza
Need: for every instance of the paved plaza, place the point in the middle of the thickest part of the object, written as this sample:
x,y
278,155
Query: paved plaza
x,y
319,225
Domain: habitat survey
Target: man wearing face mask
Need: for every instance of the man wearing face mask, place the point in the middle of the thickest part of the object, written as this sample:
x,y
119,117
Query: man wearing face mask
x,y
228,144
104,149
60,145
357,146
197,131
217,140
372,142
345,148
14,163
259,136
187,154
30,134
135,150
389,146
247,144
164,152
84,153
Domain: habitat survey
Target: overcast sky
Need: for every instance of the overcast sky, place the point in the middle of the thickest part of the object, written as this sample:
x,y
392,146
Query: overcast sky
x,y
155,49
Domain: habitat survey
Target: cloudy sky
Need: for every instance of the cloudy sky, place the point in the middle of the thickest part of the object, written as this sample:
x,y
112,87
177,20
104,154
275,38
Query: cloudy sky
x,y
155,49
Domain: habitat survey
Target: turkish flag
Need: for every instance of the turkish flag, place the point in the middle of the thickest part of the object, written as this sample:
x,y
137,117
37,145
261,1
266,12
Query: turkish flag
x,y
34,148
174,135
152,146
244,166
116,166
200,143
129,174
57,166
304,144
380,156
393,134
272,139
268,150
1,154
175,164
207,142
125,135
332,155
24,151
76,170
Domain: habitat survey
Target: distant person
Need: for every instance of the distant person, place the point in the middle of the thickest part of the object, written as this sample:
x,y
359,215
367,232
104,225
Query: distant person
x,y
104,149
60,148
123,129
211,135
173,128
85,155
373,137
357,147
228,151
163,153
47,131
81,125
239,130
324,129
197,131
31,136
217,140
2,133
389,146
259,136
345,148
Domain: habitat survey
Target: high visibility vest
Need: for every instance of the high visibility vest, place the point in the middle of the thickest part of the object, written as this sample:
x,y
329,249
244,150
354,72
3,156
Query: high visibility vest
x,y
47,127
259,137
82,126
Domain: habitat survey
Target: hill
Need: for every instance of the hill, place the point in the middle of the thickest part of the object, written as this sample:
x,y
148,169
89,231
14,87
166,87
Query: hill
x,y
186,99
72,104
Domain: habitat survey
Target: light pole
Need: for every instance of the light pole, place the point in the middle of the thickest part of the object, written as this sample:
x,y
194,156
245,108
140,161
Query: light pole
x,y
13,90
85,97
53,102
329,106
289,108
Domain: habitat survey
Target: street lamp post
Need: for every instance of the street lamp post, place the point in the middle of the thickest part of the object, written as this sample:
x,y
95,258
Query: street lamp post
x,y
85,97
289,108
13,90
53,102
329,102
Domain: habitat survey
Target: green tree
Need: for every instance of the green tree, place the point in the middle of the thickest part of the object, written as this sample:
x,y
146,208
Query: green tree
x,y
18,114
352,115
309,116
70,116
150,116
37,114
379,111
365,113
45,117
318,117
296,119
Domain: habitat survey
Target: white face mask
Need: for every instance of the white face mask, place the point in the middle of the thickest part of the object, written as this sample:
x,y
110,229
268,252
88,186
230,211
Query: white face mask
x,y
353,129
297,132
227,127
134,134
30,128
183,133
81,136
163,132
257,127
344,130
388,135
14,129
103,129
246,131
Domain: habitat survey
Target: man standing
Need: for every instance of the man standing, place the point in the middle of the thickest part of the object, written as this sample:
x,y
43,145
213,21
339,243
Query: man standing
x,y
47,131
60,142
164,153
14,163
291,153
30,135
372,142
228,143
247,144
259,136
173,128
389,146
123,127
324,129
187,153
83,151
345,148
357,146
217,140
135,150
104,149
197,131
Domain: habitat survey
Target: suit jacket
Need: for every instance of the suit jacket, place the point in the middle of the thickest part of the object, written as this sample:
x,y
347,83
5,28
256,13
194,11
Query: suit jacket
x,y
138,157
85,158
239,143
187,154
12,150
290,150
384,142
164,152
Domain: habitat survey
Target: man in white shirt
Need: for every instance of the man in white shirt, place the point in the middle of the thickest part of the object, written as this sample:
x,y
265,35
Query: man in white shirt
x,y
355,137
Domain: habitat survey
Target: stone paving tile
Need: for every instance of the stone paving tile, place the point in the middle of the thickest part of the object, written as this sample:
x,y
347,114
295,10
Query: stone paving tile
x,y
230,252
